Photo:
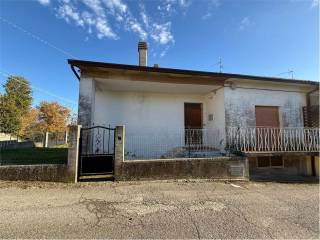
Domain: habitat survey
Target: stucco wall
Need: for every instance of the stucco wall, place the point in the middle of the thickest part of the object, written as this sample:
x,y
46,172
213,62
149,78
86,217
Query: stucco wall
x,y
141,111
240,103
215,106
160,115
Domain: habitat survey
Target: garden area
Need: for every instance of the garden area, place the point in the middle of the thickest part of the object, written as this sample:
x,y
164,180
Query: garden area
x,y
29,156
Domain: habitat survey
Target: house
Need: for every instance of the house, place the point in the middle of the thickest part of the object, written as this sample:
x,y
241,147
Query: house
x,y
177,113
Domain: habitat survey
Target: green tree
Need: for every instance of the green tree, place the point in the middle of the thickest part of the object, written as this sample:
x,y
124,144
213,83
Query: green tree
x,y
14,104
19,91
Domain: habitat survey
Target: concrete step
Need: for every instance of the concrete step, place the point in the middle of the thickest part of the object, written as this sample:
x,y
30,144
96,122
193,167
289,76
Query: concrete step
x,y
96,177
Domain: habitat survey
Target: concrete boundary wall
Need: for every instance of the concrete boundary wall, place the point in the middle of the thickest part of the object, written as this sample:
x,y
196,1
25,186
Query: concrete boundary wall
x,y
229,168
43,172
209,168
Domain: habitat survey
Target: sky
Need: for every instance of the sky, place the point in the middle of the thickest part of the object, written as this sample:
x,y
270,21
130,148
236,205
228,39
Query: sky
x,y
254,37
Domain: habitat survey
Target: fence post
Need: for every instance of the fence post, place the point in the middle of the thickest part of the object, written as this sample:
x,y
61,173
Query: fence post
x,y
73,152
119,151
66,137
46,139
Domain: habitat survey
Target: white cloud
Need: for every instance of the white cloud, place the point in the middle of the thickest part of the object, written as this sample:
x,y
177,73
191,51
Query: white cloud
x,y
184,3
96,18
211,5
168,7
161,33
44,2
95,6
104,30
106,18
69,12
136,27
245,22
116,5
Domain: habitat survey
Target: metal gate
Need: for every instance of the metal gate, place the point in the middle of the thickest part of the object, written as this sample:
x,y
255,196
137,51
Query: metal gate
x,y
96,151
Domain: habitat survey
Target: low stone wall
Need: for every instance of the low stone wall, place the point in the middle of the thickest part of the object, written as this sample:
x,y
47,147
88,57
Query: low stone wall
x,y
229,168
44,172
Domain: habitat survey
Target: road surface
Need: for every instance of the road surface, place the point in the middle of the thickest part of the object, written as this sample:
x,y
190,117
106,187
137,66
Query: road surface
x,y
159,209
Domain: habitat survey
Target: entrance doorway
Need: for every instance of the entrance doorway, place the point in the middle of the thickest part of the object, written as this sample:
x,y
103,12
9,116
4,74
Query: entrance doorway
x,y
193,123
268,126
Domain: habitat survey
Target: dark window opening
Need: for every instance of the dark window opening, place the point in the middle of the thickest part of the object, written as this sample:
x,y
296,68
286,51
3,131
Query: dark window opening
x,y
270,161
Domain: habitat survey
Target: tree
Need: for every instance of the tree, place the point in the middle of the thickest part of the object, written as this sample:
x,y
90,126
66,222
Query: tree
x,y
9,116
53,117
29,123
19,91
15,102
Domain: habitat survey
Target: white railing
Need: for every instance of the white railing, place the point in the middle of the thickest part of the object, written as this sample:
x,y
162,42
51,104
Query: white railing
x,y
170,144
265,139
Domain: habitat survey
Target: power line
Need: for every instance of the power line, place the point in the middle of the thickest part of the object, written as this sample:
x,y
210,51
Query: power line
x,y
6,74
69,101
36,37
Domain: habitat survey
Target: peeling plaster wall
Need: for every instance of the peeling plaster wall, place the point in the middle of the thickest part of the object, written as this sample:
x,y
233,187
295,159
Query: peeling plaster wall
x,y
215,106
240,103
86,101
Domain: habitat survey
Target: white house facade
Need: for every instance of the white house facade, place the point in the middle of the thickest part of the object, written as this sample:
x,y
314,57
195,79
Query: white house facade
x,y
164,110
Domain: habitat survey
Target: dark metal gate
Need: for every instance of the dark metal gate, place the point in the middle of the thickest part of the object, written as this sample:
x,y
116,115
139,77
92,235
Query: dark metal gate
x,y
96,151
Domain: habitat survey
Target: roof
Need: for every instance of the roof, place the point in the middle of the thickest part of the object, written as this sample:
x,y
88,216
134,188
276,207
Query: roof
x,y
82,63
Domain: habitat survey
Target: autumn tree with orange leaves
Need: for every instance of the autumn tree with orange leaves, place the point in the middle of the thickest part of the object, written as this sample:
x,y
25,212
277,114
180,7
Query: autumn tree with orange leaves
x,y
29,123
52,117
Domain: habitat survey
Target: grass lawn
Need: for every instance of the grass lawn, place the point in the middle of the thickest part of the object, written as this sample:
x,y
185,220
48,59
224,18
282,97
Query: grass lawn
x,y
33,156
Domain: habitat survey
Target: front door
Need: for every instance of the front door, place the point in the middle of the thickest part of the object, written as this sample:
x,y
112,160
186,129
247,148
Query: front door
x,y
267,123
193,123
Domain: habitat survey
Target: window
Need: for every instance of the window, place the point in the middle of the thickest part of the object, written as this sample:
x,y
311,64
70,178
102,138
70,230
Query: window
x,y
272,161
263,162
276,161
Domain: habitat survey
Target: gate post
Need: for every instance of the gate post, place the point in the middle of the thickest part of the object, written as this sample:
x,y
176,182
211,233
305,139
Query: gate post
x,y
73,152
120,135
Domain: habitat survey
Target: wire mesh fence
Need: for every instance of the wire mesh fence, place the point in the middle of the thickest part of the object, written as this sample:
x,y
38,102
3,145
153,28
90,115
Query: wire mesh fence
x,y
185,143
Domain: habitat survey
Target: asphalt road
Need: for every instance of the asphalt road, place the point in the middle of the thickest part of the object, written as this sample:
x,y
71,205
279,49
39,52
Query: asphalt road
x,y
175,209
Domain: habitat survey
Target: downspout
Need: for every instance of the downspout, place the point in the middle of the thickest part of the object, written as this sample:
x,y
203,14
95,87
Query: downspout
x,y
75,72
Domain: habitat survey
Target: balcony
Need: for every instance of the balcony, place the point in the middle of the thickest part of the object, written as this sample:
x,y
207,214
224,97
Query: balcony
x,y
273,140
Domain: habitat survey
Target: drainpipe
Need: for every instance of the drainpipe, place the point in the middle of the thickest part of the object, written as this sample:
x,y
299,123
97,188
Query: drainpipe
x,y
75,72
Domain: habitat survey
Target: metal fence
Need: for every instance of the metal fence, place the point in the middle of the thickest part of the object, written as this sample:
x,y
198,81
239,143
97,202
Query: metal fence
x,y
42,139
169,144
265,139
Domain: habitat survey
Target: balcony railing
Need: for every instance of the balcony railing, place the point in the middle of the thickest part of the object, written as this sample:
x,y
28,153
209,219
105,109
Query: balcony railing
x,y
264,139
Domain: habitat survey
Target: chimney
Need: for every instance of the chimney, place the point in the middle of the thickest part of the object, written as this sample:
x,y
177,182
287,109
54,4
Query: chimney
x,y
143,52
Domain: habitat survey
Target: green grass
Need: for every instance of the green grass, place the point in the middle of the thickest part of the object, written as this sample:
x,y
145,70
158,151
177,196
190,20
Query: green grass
x,y
33,156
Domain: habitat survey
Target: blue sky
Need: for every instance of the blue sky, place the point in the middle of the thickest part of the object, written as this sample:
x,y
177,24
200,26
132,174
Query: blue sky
x,y
256,37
